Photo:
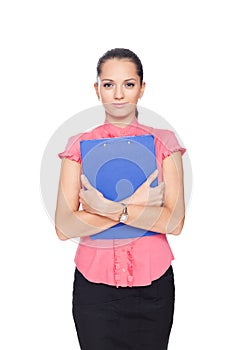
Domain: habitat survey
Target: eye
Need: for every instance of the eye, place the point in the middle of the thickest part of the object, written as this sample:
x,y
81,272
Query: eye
x,y
108,85
129,85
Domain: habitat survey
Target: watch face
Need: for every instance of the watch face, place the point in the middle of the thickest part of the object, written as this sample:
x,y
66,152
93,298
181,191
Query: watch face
x,y
124,217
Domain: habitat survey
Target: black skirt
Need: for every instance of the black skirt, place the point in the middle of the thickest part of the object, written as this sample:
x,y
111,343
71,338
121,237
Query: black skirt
x,y
123,318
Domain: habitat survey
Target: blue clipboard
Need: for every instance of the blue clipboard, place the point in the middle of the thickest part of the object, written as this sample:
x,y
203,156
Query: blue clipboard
x,y
117,167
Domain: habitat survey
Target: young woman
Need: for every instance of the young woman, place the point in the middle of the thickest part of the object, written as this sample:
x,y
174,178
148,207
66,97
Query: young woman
x,y
123,295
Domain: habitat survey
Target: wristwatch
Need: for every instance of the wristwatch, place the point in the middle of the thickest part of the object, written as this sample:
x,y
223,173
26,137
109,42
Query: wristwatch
x,y
124,215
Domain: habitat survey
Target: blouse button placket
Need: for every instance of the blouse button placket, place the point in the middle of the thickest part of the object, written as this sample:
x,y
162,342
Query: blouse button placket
x,y
117,264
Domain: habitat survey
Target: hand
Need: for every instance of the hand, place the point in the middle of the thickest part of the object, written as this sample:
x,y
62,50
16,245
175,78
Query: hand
x,y
94,202
146,195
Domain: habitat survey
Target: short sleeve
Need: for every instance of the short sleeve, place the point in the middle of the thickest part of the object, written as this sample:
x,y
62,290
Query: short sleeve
x,y
72,149
168,143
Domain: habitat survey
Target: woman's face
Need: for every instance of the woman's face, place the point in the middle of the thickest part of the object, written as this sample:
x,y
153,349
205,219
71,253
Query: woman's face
x,y
119,88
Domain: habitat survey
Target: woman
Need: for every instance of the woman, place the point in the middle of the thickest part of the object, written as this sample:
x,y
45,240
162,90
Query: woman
x,y
123,296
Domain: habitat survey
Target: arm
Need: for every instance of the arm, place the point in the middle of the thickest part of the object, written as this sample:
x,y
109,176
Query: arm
x,y
144,207
170,217
71,222
94,202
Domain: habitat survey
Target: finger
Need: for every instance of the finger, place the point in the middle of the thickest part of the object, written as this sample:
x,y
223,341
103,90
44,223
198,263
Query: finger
x,y
85,182
161,186
152,176
81,200
158,190
81,192
84,207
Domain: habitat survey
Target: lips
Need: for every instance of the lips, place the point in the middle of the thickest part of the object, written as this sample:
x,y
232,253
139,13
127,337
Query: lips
x,y
119,105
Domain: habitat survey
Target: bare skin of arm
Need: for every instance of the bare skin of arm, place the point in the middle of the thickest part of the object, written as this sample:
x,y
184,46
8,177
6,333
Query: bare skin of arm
x,y
70,221
170,217
100,213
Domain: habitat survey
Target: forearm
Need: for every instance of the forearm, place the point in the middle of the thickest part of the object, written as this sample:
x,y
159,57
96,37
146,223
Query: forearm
x,y
80,224
151,218
156,219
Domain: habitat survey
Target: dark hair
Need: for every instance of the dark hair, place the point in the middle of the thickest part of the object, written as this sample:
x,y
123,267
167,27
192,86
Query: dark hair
x,y
121,54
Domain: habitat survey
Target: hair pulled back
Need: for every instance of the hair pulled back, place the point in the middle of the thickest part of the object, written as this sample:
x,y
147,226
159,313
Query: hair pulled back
x,y
120,53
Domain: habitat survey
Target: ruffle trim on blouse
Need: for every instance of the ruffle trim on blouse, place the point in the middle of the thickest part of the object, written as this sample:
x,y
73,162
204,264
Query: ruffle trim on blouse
x,y
167,153
70,155
130,257
117,265
167,142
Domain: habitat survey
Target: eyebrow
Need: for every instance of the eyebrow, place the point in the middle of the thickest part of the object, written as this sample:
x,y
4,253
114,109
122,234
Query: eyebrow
x,y
113,80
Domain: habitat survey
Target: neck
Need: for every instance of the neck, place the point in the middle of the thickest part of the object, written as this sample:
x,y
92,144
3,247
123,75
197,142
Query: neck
x,y
121,122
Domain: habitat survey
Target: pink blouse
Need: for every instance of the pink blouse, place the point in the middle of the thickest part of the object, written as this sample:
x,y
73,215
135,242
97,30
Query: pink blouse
x,y
124,262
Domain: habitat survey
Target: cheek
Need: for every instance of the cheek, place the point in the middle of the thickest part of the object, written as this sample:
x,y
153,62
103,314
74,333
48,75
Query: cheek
x,y
134,92
132,96
106,95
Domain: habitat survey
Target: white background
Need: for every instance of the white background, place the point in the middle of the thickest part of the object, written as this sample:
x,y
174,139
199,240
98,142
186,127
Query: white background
x,y
49,51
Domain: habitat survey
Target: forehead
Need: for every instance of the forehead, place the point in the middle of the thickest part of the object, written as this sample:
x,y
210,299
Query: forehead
x,y
118,69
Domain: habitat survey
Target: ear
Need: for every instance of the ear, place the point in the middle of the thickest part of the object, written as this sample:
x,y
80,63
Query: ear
x,y
142,89
97,90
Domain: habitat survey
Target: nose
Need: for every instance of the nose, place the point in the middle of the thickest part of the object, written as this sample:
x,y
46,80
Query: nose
x,y
118,93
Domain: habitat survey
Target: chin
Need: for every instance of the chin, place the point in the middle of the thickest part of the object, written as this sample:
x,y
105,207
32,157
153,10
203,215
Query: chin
x,y
120,113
